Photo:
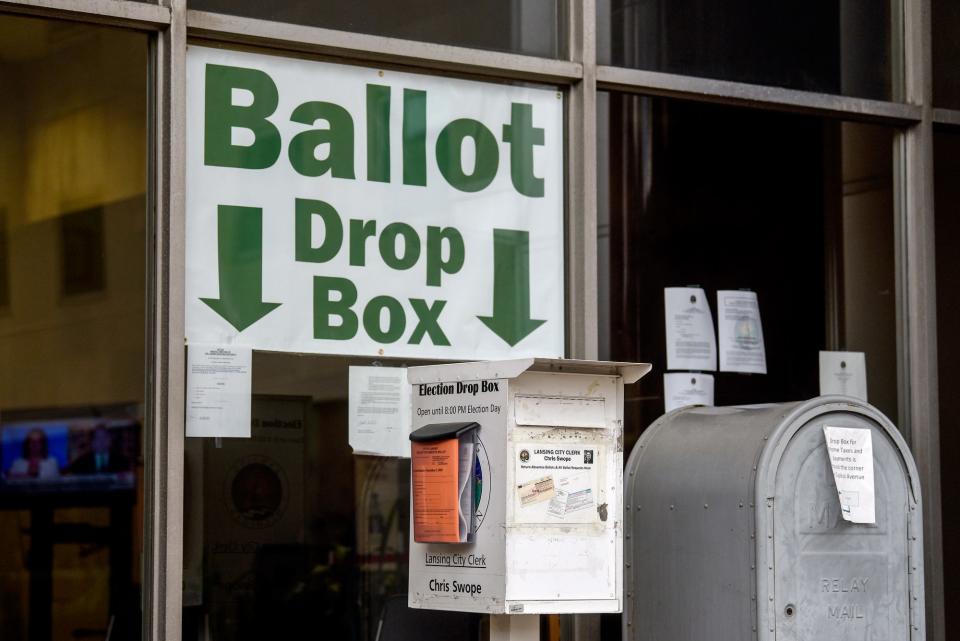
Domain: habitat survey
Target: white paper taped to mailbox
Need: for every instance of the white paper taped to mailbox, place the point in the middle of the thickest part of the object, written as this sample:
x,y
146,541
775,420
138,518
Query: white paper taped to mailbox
x,y
851,457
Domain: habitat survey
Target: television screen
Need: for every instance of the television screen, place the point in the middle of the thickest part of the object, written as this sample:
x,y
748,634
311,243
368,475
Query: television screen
x,y
81,454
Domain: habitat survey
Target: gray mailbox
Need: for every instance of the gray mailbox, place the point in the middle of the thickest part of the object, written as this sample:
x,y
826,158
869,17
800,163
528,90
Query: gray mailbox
x,y
734,528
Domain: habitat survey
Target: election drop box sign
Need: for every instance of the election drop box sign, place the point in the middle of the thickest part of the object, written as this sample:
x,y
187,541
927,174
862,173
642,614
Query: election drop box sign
x,y
793,521
532,500
341,209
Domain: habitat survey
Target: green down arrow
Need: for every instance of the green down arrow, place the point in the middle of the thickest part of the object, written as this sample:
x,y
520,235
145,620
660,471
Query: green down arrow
x,y
511,287
240,260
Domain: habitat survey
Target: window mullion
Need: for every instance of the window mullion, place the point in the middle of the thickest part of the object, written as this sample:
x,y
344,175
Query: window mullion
x,y
582,185
164,518
919,392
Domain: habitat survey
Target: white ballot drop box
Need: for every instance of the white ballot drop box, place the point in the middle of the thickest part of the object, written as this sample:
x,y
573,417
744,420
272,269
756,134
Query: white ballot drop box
x,y
517,486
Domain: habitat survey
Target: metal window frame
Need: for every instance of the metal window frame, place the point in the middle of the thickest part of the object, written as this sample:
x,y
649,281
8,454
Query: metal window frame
x,y
757,96
361,47
917,313
118,13
163,514
950,117
171,24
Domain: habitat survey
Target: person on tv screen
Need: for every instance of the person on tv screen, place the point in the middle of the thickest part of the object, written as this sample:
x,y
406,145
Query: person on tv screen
x,y
102,457
35,461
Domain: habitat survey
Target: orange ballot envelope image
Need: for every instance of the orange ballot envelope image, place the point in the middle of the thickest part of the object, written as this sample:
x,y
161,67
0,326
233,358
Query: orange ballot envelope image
x,y
442,460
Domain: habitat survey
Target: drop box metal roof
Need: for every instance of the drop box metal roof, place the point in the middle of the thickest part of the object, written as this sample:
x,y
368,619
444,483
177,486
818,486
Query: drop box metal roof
x,y
733,530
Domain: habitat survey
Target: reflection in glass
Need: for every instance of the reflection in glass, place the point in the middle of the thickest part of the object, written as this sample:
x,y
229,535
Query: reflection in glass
x,y
946,53
841,47
290,531
520,26
72,299
946,164
797,209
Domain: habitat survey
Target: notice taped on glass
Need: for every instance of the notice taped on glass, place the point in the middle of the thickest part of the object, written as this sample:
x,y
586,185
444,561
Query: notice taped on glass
x,y
379,410
218,390
843,373
741,334
683,389
691,343
557,483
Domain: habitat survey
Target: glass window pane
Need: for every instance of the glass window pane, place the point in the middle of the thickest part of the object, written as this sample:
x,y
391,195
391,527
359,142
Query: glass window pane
x,y
798,209
946,53
289,530
829,47
947,195
520,26
73,177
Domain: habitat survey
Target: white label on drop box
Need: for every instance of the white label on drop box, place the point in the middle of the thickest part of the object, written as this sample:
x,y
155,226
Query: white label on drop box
x,y
557,483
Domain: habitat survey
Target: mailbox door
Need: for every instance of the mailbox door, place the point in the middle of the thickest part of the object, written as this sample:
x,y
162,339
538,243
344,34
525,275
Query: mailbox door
x,y
834,580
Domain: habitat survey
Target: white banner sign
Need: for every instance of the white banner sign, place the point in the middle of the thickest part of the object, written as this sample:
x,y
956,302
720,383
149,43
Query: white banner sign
x,y
345,210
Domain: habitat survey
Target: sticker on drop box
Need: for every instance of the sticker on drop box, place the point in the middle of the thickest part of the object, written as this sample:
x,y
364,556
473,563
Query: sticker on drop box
x,y
557,482
536,491
574,494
